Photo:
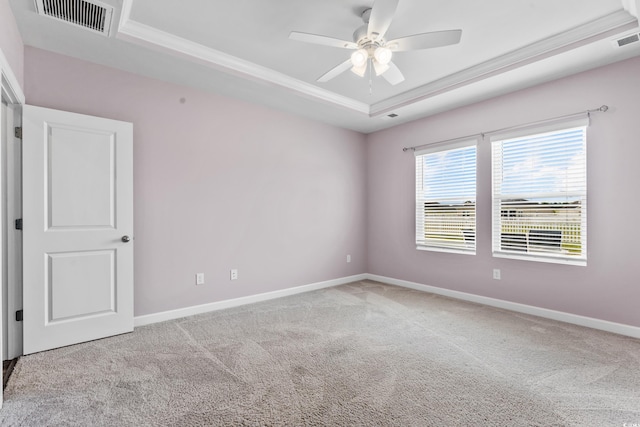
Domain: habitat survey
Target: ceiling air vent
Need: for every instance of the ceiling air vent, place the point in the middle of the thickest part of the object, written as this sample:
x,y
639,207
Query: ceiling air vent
x,y
90,15
390,116
627,40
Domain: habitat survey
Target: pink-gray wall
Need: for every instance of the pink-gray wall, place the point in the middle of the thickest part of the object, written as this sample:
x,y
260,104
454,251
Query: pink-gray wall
x,y
11,42
220,184
223,184
608,287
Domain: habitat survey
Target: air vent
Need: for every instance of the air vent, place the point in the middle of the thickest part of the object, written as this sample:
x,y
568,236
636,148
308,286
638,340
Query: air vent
x,y
389,116
627,40
90,15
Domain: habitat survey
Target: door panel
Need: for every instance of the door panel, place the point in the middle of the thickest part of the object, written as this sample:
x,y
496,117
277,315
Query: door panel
x,y
68,274
81,173
77,206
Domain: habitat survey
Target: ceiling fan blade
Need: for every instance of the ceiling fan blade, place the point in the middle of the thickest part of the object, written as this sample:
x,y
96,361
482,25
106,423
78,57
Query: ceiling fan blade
x,y
425,40
393,75
322,40
381,17
379,68
337,70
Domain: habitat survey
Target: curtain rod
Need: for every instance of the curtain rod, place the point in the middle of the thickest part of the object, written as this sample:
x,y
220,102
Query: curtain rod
x,y
602,109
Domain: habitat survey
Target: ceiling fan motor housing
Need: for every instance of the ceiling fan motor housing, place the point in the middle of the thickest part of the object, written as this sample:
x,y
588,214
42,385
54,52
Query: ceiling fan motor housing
x,y
361,37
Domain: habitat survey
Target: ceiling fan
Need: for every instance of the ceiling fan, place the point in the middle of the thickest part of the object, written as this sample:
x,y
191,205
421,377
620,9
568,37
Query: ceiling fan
x,y
372,49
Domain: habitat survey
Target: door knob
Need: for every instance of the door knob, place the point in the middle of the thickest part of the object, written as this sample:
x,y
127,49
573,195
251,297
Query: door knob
x,y
125,239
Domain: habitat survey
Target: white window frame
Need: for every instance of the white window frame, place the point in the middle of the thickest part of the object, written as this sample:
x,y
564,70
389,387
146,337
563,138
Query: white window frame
x,y
462,243
555,255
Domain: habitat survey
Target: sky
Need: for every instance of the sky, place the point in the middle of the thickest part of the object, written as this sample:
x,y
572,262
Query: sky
x,y
544,164
541,166
450,175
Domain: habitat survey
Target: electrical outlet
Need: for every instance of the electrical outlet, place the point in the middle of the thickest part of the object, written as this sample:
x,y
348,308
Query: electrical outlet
x,y
200,279
234,274
496,273
348,258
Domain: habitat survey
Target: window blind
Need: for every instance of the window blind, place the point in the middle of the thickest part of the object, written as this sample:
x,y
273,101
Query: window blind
x,y
446,197
539,206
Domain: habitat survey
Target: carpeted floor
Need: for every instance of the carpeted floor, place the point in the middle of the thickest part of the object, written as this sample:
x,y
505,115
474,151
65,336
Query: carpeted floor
x,y
362,354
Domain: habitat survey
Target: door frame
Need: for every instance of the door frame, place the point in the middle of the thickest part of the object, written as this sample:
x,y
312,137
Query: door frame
x,y
12,279
11,92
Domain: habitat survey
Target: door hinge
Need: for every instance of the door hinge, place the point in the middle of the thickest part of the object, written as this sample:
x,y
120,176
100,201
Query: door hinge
x,y
18,132
19,224
19,316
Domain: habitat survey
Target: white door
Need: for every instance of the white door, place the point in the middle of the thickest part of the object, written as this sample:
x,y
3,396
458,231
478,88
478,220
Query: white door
x,y
77,184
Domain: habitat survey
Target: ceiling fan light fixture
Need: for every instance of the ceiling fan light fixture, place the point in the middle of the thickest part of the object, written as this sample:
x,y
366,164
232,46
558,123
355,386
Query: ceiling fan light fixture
x,y
359,58
359,70
383,55
380,68
371,50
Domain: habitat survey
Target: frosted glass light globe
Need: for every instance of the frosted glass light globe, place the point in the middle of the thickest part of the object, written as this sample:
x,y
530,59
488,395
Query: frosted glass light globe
x,y
359,58
383,55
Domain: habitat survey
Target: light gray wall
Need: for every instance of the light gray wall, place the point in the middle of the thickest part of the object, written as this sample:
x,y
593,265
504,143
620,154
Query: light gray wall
x,y
224,184
220,184
11,42
609,287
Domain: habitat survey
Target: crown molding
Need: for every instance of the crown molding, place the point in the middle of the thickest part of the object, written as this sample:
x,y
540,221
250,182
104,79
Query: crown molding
x,y
9,84
583,34
137,32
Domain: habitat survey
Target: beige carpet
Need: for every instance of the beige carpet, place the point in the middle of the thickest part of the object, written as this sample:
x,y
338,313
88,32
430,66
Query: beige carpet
x,y
363,354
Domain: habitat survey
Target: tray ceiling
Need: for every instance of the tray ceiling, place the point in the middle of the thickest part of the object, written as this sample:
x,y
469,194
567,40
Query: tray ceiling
x,y
241,48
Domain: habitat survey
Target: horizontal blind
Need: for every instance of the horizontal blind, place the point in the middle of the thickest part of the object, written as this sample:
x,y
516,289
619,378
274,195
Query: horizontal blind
x,y
446,198
540,195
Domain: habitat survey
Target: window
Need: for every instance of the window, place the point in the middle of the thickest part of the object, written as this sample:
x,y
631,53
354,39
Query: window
x,y
540,193
446,198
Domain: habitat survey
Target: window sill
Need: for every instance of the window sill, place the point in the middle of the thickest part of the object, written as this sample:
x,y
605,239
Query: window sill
x,y
446,250
552,260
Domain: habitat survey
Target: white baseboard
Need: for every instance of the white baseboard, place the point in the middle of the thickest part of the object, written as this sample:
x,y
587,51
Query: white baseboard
x,y
220,305
589,322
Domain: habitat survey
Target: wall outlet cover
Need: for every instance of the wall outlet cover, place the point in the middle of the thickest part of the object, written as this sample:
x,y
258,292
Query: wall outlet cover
x,y
200,279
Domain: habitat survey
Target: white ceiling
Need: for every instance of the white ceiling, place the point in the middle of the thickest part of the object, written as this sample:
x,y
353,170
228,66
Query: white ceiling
x,y
241,48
